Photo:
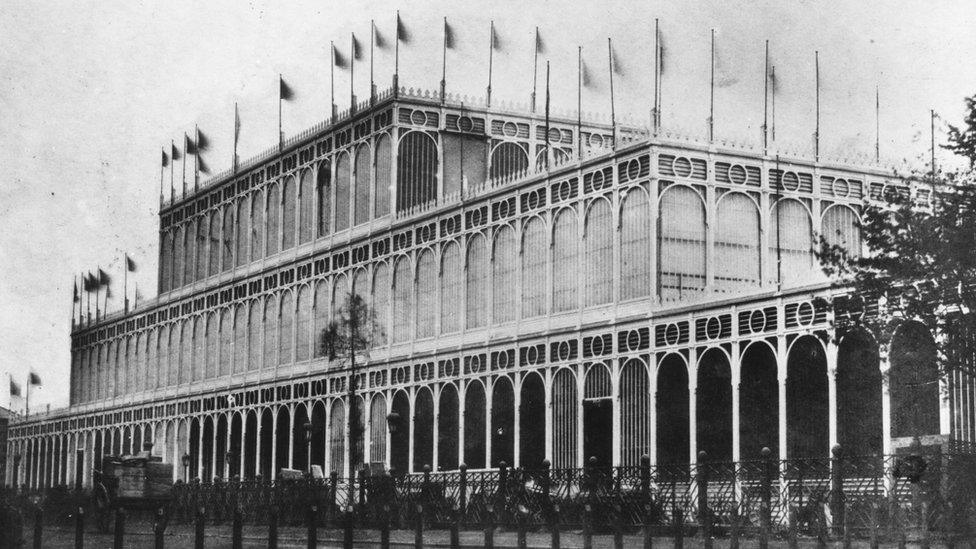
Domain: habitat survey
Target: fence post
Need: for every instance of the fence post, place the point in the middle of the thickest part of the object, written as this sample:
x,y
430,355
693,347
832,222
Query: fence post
x,y
159,527
924,542
385,527
645,480
273,529
846,544
312,535
792,528
463,493
522,518
418,531
735,527
765,510
236,534
837,507
704,514
502,489
119,529
679,528
347,530
333,485
554,540
455,529
490,527
646,528
80,528
198,537
38,527
587,526
873,526
546,483
618,527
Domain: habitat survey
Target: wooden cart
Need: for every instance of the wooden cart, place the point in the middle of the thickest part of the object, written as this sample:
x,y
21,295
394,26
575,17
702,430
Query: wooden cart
x,y
130,483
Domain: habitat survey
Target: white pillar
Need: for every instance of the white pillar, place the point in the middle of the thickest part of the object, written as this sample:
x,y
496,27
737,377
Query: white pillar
x,y
781,368
435,460
693,405
832,390
516,422
885,364
735,365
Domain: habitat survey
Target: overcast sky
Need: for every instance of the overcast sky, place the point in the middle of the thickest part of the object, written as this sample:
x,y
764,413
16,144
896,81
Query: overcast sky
x,y
90,92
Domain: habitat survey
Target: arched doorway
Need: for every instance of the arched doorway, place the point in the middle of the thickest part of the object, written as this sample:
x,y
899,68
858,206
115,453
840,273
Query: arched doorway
x,y
220,446
598,435
713,405
447,428
914,382
282,440
337,438
423,430
564,419
318,434
502,422
400,434
758,401
672,411
532,422
236,445
859,393
250,444
267,442
635,405
474,425
807,407
300,448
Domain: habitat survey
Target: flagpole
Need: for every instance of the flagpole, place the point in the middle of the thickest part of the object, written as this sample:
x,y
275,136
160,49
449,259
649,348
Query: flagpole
x,y
932,137
779,247
27,400
444,63
655,111
579,101
352,72
772,113
185,140
196,160
396,57
711,94
877,125
236,130
332,82
765,126
172,169
816,131
125,282
372,40
491,55
547,115
280,136
535,67
613,113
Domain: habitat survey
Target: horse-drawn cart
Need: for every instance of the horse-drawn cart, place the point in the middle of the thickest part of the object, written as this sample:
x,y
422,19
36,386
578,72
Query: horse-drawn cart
x,y
130,483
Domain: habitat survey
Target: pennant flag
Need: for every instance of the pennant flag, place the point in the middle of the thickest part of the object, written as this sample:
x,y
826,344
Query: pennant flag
x,y
661,55
202,143
357,49
89,283
14,388
174,153
103,278
74,293
130,265
615,64
34,379
587,78
402,34
540,46
237,123
284,90
449,40
165,158
773,81
202,166
338,59
496,43
724,75
379,39
189,146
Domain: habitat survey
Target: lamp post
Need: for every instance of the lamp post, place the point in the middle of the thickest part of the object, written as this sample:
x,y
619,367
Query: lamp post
x,y
308,446
186,467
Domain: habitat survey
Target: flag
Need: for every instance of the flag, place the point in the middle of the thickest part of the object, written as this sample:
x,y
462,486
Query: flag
x,y
338,59
661,55
357,49
284,90
33,379
138,294
496,43
14,388
89,283
202,143
379,39
402,34
587,79
103,278
174,153
237,124
130,265
189,147
202,166
449,40
540,46
615,64
773,81
74,293
165,158
724,75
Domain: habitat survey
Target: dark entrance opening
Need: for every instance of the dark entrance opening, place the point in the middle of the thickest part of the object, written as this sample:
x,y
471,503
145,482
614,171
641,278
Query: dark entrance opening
x,y
598,431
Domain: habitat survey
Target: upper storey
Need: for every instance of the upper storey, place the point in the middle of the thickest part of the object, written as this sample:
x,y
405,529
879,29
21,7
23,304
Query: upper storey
x,y
400,157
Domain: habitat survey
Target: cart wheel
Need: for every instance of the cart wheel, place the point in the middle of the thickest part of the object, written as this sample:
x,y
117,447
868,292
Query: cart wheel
x,y
103,510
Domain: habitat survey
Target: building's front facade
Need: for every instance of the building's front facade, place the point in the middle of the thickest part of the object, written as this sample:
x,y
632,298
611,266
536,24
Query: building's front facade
x,y
650,296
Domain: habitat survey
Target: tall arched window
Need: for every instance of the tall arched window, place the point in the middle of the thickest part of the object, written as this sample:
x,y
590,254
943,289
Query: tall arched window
x,y
178,248
384,172
227,237
240,338
451,288
303,325
565,251
212,337
635,246
273,236
507,159
202,239
306,207
465,160
416,170
426,294
598,239
288,213
191,251
214,243
841,228
534,251
166,260
340,291
286,345
257,226
363,178
503,258
737,259
254,342
323,191
270,331
681,243
226,344
154,358
402,300
791,250
342,183
381,302
192,349
243,230
564,419
321,307
476,282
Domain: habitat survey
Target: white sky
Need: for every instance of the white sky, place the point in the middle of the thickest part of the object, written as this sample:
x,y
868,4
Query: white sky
x,y
90,91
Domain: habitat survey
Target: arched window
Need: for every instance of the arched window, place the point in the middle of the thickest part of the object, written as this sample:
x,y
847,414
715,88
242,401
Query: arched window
x,y
189,345
416,170
476,282
136,364
287,342
273,234
226,342
178,248
503,258
508,159
214,243
227,237
737,259
464,161
306,205
288,213
381,302
402,300
564,419
363,177
598,238
534,251
324,195
426,294
791,250
681,243
240,338
635,410
166,260
303,325
270,330
359,286
337,437
635,246
243,230
451,288
378,429
212,337
565,251
153,359
257,226
340,291
384,172
342,182
202,239
321,307
191,251
254,342
841,228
